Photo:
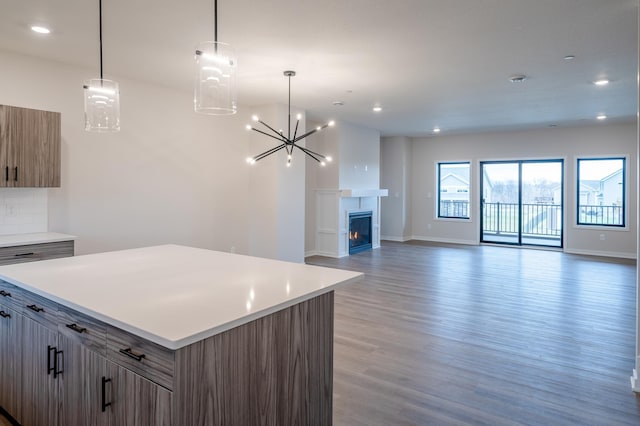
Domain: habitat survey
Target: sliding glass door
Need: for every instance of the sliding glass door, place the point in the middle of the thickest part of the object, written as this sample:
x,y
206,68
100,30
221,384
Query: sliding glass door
x,y
522,202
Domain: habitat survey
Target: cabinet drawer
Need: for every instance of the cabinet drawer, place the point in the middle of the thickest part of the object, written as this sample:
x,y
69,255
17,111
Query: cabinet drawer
x,y
148,359
83,329
33,252
39,309
10,296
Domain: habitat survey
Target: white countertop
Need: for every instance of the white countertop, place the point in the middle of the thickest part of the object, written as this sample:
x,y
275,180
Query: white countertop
x,y
174,295
35,238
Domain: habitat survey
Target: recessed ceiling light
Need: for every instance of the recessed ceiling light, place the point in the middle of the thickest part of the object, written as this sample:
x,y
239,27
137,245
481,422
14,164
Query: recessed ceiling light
x,y
436,130
601,117
377,108
569,57
602,82
517,78
40,30
337,103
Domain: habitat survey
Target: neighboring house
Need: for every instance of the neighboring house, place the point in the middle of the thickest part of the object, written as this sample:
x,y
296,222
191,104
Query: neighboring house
x,y
454,187
611,190
589,190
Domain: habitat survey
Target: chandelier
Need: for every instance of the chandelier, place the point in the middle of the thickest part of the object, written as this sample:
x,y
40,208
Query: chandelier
x,y
288,142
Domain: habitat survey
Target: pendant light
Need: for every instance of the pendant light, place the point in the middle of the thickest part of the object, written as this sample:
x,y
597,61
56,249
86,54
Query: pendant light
x,y
215,84
288,142
101,99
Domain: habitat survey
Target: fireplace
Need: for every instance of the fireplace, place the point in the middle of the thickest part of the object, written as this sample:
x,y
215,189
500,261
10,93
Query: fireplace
x,y
359,231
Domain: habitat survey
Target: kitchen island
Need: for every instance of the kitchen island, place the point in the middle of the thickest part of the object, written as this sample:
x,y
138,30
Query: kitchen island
x,y
167,335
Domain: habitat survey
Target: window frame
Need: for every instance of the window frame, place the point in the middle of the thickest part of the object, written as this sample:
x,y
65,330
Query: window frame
x,y
439,216
625,195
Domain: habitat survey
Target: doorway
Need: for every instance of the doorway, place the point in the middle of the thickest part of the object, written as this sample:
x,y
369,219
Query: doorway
x,y
522,202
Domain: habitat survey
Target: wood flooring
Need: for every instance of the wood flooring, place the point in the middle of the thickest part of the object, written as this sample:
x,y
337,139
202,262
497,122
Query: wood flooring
x,y
484,335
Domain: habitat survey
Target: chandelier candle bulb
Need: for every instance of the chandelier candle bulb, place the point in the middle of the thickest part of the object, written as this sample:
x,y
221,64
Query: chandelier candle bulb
x,y
40,30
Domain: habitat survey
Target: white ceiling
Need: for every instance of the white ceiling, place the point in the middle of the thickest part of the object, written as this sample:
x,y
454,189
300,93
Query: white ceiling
x,y
429,63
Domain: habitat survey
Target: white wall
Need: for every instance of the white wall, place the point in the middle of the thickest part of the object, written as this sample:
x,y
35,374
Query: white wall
x,y
317,143
326,142
170,175
359,157
276,193
551,143
395,175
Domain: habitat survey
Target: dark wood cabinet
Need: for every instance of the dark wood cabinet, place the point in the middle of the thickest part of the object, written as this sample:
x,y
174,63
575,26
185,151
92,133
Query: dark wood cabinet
x,y
34,252
10,359
136,400
41,365
55,369
81,390
30,143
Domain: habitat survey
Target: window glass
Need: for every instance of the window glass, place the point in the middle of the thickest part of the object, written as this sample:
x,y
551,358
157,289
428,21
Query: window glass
x,y
453,190
601,191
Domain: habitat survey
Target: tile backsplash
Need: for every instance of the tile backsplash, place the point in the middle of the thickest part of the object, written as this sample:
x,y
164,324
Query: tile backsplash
x,y
23,210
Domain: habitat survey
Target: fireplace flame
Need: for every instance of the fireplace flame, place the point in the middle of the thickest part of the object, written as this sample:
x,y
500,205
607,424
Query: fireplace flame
x,y
353,235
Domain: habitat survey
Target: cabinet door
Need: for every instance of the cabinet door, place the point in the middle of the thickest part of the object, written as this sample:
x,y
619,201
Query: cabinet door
x,y
81,396
136,401
10,361
39,384
33,148
4,142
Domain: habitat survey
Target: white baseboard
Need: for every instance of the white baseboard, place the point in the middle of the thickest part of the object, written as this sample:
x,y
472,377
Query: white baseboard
x,y
325,254
445,240
397,239
635,383
601,253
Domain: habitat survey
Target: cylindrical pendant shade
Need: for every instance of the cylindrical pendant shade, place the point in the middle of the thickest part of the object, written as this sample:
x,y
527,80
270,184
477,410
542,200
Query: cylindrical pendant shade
x,y
101,105
215,87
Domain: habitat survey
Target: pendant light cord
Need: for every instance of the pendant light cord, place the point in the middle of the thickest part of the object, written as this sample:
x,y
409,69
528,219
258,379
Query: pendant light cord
x,y
215,20
289,122
100,18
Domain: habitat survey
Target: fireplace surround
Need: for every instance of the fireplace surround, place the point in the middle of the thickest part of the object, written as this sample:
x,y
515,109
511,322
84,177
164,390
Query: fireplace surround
x,y
333,207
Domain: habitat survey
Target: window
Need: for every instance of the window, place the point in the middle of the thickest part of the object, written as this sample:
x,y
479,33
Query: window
x,y
453,190
601,191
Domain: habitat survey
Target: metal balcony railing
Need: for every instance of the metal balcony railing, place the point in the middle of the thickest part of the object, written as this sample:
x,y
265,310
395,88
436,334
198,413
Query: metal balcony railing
x,y
601,215
454,208
540,220
537,219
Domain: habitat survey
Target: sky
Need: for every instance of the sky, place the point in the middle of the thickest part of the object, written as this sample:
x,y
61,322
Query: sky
x,y
597,169
531,172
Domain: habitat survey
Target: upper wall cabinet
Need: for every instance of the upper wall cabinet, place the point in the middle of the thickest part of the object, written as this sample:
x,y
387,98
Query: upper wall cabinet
x,y
29,147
